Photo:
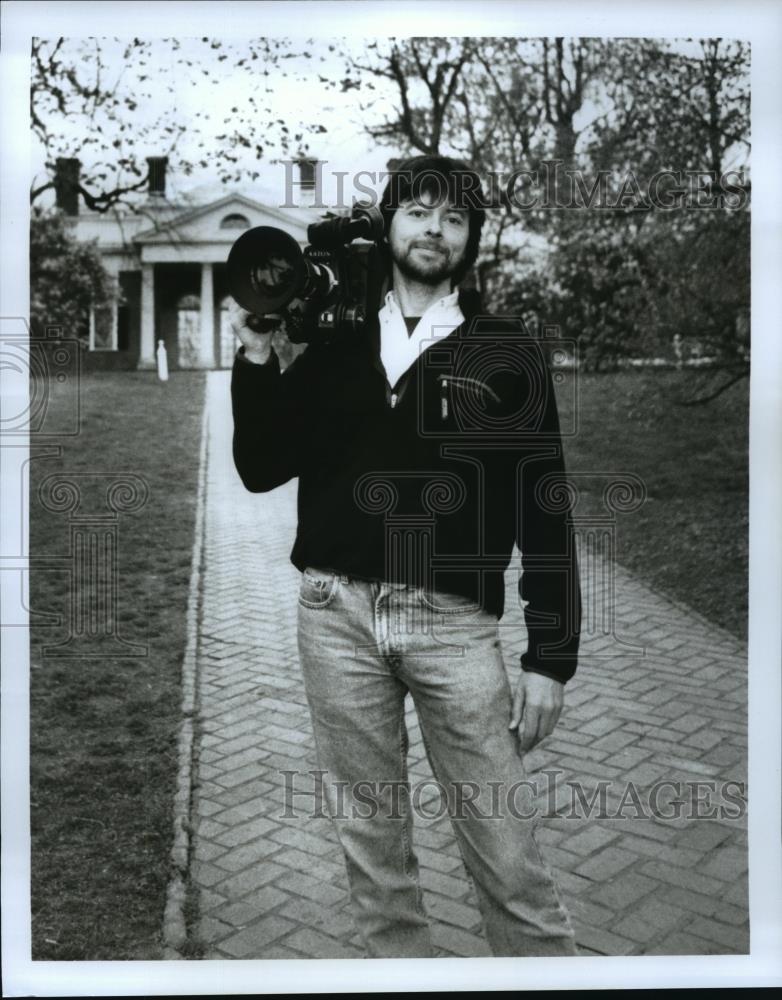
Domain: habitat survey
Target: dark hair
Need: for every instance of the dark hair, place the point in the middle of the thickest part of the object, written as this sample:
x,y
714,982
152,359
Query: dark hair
x,y
441,177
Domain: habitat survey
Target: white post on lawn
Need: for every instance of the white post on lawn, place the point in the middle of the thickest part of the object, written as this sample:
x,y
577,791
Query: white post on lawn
x,y
162,362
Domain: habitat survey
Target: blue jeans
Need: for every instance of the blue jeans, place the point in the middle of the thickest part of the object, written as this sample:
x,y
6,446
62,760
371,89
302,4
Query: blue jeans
x,y
363,645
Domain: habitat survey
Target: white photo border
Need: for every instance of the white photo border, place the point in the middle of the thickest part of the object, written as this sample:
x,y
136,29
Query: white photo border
x,y
758,22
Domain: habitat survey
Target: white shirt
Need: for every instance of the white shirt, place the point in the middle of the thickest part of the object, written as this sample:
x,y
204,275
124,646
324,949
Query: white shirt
x,y
397,350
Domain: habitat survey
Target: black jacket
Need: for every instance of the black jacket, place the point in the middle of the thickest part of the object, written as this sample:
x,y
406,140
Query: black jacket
x,y
430,481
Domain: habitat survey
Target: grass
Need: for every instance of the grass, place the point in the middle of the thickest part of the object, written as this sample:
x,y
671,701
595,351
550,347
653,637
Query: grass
x,y
690,537
104,730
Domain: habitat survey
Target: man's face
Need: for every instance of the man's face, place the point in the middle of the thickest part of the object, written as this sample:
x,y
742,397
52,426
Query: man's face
x,y
428,240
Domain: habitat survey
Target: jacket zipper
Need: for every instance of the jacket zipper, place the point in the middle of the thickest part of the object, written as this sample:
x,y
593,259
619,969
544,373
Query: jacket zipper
x,y
393,396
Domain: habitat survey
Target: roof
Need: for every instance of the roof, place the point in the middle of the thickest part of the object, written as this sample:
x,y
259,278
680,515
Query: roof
x,y
296,218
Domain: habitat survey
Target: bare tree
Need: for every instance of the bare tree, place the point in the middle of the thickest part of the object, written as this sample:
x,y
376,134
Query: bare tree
x,y
112,102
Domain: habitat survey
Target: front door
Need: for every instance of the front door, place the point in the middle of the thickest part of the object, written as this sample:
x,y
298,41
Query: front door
x,y
188,331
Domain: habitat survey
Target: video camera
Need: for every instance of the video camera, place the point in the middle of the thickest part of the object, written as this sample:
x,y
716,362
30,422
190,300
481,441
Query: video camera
x,y
338,276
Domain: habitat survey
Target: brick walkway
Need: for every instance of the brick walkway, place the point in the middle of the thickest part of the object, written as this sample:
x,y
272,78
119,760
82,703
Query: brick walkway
x,y
270,887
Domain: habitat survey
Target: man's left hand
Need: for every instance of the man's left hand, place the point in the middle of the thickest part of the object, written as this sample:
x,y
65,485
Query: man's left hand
x,y
537,704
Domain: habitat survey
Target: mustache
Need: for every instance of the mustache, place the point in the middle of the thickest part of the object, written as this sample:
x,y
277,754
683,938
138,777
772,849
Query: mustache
x,y
424,245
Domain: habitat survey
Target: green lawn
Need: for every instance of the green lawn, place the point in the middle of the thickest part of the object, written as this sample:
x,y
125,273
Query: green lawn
x,y
104,730
690,538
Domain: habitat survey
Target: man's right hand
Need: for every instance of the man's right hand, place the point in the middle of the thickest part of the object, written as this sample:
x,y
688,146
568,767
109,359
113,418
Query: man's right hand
x,y
257,345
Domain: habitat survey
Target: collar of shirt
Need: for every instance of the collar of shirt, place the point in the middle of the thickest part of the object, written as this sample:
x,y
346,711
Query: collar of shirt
x,y
397,350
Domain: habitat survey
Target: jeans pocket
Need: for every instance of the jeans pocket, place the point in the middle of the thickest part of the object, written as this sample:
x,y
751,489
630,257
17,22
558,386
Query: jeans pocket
x,y
318,588
443,603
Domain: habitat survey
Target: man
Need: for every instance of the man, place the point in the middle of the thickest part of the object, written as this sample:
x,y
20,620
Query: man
x,y
424,449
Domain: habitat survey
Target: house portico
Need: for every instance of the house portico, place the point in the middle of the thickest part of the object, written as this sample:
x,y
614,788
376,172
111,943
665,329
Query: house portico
x,y
187,257
169,262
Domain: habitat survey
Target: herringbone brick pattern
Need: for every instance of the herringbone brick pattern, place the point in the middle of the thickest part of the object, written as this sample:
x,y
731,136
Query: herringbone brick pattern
x,y
271,886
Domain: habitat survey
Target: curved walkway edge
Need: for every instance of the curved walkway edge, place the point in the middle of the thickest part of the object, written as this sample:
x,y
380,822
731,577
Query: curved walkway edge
x,y
175,933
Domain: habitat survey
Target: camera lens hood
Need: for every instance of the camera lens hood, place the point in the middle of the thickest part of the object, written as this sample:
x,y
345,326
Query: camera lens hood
x,y
266,269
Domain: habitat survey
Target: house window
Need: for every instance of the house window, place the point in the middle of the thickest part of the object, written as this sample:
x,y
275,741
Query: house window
x,y
235,221
188,325
103,327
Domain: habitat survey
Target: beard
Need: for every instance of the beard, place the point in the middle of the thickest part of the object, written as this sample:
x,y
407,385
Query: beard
x,y
431,271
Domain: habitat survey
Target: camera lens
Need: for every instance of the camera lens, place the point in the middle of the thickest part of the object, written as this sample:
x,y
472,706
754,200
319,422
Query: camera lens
x,y
273,276
265,269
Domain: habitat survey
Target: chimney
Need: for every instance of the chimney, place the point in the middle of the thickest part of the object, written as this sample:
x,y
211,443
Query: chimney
x,y
310,181
66,184
307,174
157,176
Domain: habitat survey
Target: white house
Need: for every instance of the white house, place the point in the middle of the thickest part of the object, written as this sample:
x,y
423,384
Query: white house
x,y
169,260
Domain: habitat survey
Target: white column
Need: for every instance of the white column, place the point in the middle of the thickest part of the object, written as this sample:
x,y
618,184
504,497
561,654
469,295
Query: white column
x,y
147,354
207,352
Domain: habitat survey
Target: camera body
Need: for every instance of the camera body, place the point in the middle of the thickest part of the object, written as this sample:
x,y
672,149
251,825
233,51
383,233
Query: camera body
x,y
355,291
325,292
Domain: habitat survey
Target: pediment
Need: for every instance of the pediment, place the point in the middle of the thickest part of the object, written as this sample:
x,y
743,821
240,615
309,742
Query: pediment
x,y
206,224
